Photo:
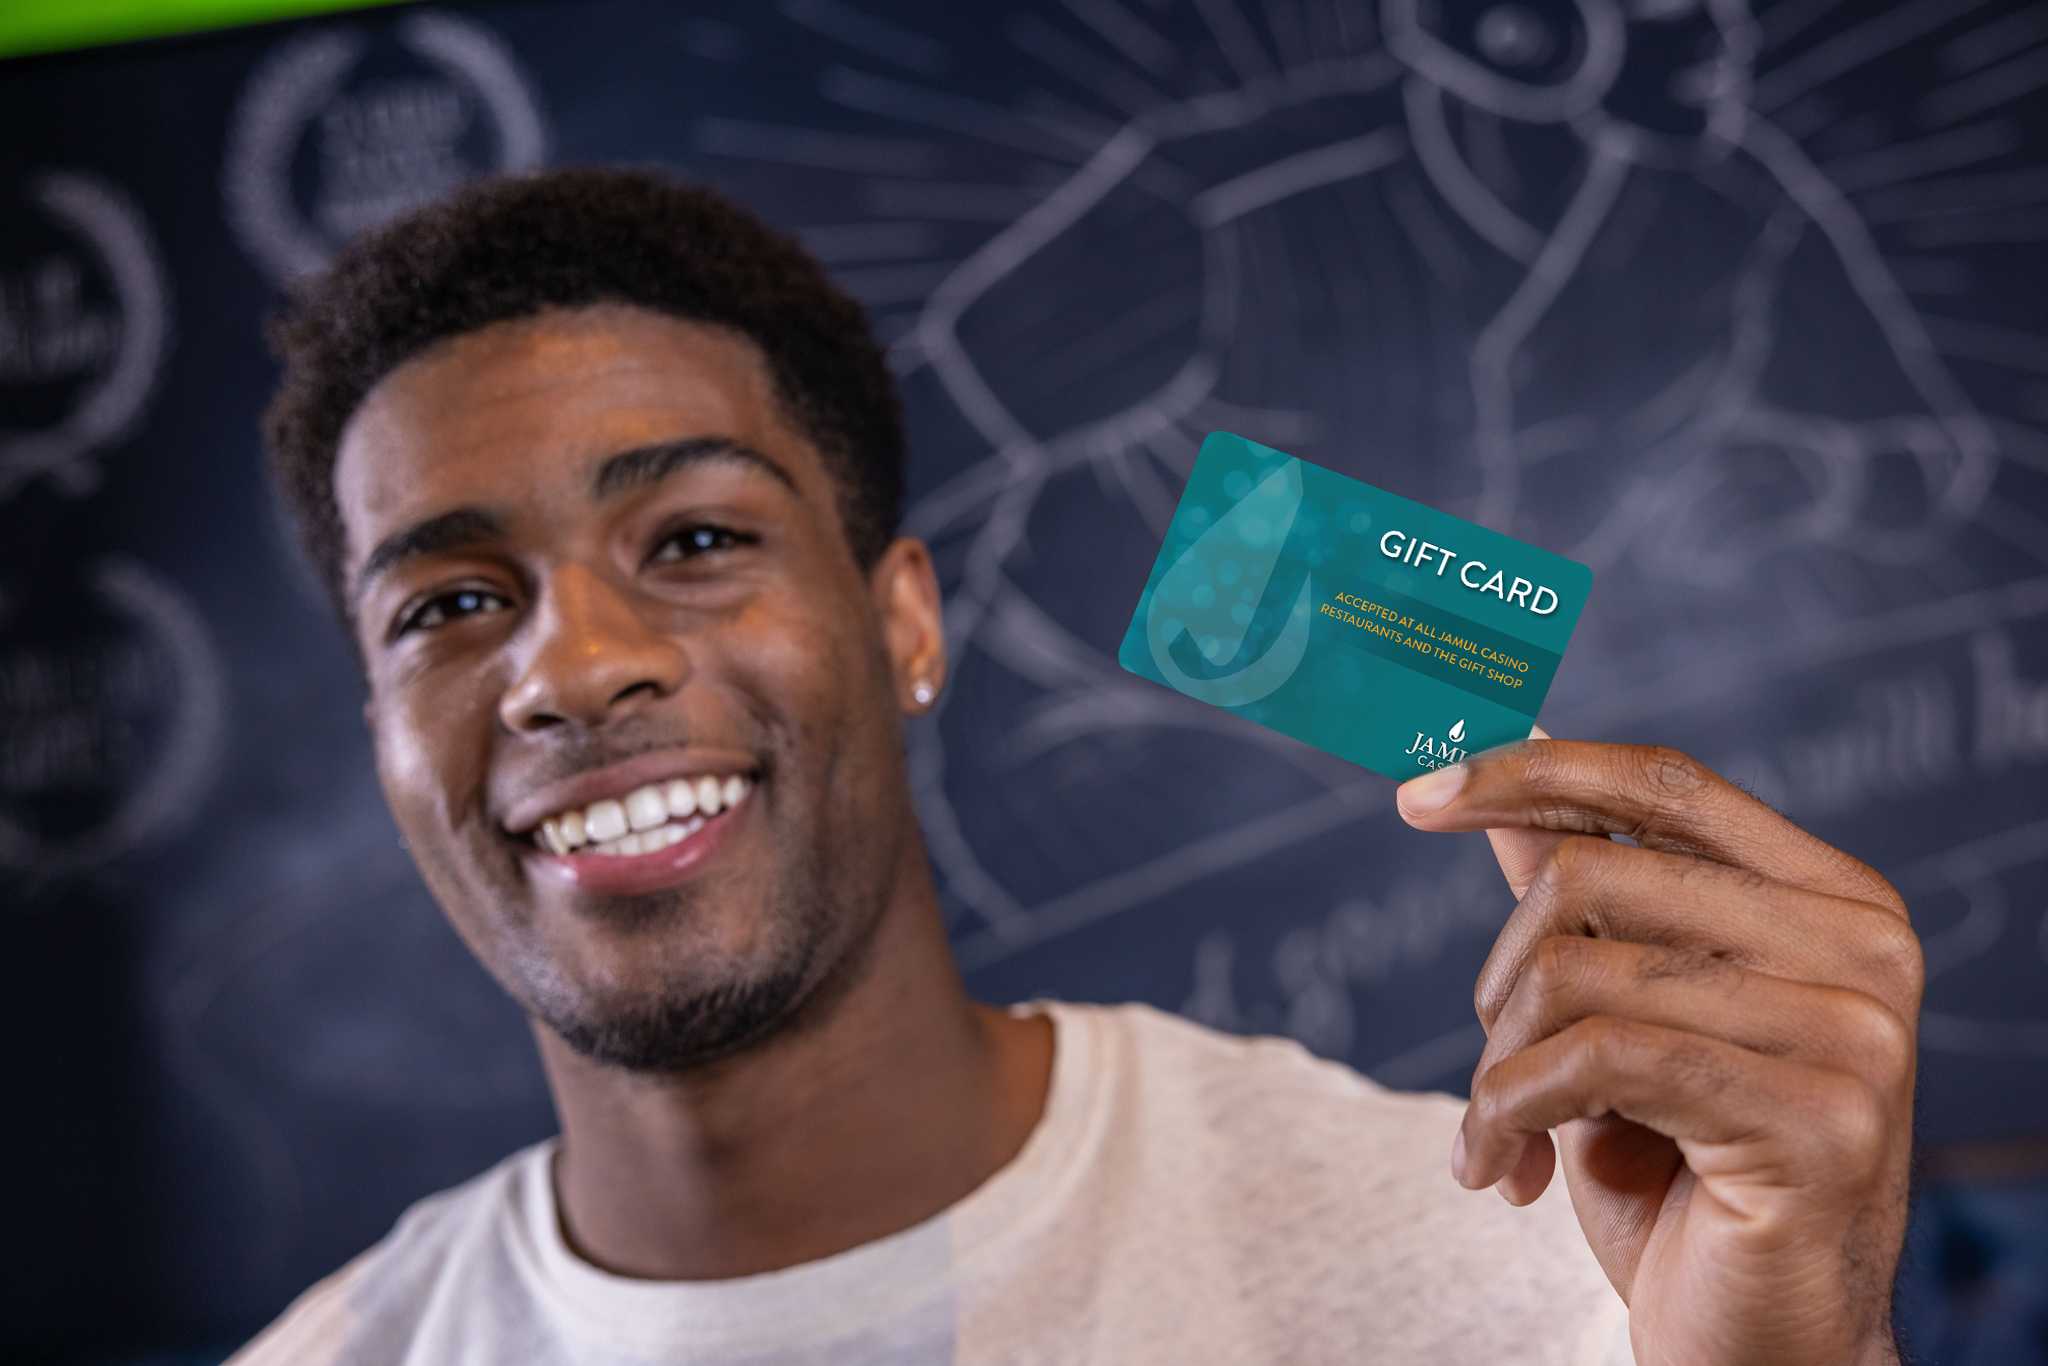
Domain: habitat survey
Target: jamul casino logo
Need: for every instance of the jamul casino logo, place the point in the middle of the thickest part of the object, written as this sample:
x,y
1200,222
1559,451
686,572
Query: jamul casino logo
x,y
1431,752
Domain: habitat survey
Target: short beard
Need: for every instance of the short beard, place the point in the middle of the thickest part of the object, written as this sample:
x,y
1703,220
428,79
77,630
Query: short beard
x,y
676,1033
680,1025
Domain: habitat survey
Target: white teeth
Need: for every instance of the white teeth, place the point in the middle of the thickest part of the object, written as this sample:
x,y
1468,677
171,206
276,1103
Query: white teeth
x,y
648,842
605,820
645,808
682,798
647,818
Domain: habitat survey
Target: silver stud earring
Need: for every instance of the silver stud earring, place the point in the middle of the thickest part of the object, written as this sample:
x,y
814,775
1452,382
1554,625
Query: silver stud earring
x,y
922,691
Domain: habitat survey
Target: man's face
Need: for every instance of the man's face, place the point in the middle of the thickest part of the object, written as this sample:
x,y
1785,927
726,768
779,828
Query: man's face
x,y
610,565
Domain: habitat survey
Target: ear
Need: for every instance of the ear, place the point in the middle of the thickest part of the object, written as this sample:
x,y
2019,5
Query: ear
x,y
905,589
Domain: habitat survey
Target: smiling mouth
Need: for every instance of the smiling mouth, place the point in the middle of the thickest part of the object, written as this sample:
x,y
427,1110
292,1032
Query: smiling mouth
x,y
646,820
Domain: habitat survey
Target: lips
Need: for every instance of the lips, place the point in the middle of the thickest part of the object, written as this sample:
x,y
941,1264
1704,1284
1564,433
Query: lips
x,y
665,856
644,818
615,782
649,818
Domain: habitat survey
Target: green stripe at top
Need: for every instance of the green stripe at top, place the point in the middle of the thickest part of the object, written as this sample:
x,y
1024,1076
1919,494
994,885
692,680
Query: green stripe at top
x,y
28,26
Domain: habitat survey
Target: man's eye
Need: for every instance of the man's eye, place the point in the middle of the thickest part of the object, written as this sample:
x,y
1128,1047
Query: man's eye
x,y
436,611
693,541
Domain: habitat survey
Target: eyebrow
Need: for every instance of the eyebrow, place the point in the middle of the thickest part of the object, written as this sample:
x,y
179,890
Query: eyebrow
x,y
465,526
645,465
639,468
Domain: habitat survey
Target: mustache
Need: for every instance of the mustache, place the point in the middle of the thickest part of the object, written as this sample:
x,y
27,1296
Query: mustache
x,y
581,751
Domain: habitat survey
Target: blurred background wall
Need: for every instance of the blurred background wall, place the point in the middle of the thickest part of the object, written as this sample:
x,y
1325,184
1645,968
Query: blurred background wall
x,y
1743,307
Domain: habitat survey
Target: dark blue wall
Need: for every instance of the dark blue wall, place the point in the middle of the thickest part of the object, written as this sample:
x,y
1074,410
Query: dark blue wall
x,y
1783,383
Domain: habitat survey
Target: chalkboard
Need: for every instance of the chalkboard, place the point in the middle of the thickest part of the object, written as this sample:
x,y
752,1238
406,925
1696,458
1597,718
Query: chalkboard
x,y
1741,308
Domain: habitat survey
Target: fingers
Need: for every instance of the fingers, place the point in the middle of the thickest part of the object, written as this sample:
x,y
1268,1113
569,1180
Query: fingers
x,y
1660,798
1520,851
1569,978
1608,891
1530,1172
1781,1125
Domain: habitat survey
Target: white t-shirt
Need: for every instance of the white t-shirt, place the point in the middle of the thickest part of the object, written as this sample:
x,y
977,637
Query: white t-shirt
x,y
1188,1196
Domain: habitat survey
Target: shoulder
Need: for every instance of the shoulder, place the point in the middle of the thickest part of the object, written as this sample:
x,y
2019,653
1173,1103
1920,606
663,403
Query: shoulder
x,y
1231,1078
366,1309
1282,1115
1318,1167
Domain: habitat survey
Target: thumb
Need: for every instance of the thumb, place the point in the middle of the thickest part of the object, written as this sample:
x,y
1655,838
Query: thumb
x,y
1520,852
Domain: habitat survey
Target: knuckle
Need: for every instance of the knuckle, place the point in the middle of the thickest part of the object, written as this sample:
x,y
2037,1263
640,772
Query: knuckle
x,y
1602,1043
1857,1122
1558,813
1671,774
1563,891
1879,1037
1573,865
1885,894
1496,979
1898,955
1564,966
1488,1102
1490,996
1547,888
1541,765
1668,962
1618,1048
1694,1066
1873,886
1747,881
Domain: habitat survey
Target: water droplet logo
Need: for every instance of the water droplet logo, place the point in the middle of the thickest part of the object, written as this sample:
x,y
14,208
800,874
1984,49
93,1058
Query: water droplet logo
x,y
1457,732
1218,602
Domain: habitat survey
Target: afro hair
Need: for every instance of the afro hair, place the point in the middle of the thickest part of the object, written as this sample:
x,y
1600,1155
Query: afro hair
x,y
507,246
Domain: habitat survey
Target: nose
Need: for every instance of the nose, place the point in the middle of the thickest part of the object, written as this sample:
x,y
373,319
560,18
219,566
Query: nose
x,y
595,658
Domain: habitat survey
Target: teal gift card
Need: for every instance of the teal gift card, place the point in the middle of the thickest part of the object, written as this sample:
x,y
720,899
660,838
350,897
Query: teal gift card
x,y
1354,620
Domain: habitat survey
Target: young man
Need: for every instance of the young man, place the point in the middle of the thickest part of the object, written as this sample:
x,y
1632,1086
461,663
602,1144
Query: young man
x,y
603,476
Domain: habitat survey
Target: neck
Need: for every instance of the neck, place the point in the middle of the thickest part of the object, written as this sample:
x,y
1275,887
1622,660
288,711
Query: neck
x,y
891,1098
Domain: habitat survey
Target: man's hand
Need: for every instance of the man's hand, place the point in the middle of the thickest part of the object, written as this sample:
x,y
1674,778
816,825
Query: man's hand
x,y
1720,1026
